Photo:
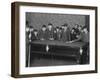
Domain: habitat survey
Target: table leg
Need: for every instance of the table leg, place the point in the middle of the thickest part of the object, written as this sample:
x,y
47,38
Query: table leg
x,y
29,56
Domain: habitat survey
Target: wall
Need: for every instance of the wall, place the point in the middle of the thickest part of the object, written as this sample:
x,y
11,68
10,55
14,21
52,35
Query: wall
x,y
38,19
5,40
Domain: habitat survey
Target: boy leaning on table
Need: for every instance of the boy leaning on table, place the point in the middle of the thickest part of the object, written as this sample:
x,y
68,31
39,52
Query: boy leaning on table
x,y
84,37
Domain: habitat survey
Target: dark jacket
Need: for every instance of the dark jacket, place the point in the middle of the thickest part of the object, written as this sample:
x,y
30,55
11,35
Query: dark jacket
x,y
27,36
73,36
50,34
42,34
66,35
58,35
34,37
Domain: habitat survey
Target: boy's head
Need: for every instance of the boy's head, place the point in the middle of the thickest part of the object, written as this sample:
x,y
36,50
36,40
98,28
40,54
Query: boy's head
x,y
57,28
84,29
27,29
60,29
76,26
73,30
31,28
65,26
44,27
35,31
50,26
62,26
80,28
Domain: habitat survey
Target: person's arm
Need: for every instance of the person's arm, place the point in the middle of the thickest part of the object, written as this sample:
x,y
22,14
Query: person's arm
x,y
78,38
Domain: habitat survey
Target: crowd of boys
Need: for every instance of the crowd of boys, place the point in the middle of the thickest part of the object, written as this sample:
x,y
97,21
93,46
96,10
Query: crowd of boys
x,y
63,33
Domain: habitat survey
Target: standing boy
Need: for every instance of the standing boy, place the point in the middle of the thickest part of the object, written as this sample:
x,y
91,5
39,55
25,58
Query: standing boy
x,y
43,33
35,35
50,32
65,33
58,33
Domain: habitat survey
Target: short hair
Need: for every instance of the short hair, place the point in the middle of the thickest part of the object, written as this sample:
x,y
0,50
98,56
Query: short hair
x,y
31,27
65,24
35,30
80,25
50,24
73,29
77,25
60,28
84,27
57,27
44,26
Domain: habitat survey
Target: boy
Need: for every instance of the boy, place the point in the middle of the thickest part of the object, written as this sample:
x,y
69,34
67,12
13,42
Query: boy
x,y
85,35
50,32
85,39
30,33
27,41
65,33
73,34
43,33
35,35
58,33
76,29
29,30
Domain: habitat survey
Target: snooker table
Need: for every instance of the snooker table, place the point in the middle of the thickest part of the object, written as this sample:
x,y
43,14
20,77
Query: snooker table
x,y
57,48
